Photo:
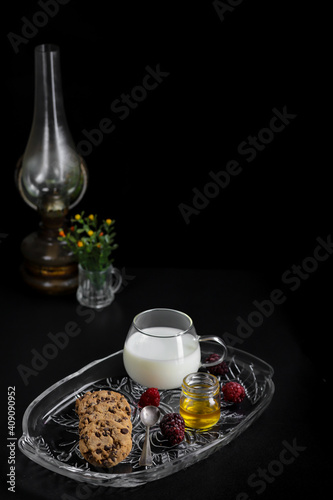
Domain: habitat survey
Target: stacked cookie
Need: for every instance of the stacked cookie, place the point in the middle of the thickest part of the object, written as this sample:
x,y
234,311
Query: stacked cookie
x,y
105,427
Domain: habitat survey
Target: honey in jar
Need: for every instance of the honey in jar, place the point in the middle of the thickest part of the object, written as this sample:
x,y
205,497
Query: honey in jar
x,y
200,400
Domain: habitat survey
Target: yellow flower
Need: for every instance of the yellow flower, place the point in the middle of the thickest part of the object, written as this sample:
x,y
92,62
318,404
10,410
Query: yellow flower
x,y
91,217
108,221
77,217
90,233
80,244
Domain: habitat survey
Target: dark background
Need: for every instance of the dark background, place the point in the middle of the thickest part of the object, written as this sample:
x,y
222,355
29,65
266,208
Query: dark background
x,y
225,79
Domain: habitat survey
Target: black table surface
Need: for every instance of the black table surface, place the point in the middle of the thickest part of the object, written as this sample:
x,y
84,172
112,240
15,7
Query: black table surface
x,y
254,465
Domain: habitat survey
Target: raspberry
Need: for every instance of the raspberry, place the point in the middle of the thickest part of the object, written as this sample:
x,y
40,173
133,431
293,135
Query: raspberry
x,y
220,369
151,397
233,392
172,427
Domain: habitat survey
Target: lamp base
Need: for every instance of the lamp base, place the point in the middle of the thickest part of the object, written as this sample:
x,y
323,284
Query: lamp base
x,y
50,280
47,266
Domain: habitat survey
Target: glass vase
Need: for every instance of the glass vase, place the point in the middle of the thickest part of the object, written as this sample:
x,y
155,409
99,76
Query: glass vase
x,y
97,288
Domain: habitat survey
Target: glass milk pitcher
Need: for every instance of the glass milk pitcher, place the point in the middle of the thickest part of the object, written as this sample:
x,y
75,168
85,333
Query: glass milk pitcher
x,y
162,347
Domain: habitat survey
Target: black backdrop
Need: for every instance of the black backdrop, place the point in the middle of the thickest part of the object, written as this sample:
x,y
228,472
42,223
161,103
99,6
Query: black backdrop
x,y
225,70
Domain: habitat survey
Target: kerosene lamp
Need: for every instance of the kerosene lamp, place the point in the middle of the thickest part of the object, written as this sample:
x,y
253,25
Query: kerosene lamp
x,y
52,178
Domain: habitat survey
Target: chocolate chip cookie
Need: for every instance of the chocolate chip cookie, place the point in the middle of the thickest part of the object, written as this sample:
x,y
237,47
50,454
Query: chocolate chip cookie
x,y
91,399
105,427
95,413
105,443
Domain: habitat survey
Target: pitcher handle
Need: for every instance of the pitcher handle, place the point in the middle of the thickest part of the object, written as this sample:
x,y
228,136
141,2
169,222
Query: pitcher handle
x,y
118,279
206,338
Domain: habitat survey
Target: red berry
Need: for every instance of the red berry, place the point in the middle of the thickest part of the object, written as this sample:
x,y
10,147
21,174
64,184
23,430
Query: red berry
x,y
220,369
233,392
172,427
151,397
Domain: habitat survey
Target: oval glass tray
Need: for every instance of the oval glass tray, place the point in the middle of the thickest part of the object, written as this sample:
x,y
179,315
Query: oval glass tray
x,y
50,424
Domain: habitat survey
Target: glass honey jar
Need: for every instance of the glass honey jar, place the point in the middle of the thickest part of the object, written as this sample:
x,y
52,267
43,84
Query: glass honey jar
x,y
200,400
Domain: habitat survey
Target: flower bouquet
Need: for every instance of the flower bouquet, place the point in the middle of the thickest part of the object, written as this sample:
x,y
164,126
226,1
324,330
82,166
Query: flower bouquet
x,y
92,245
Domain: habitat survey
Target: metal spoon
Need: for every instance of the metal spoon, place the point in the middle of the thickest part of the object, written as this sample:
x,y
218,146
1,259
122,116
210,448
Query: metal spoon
x,y
149,416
